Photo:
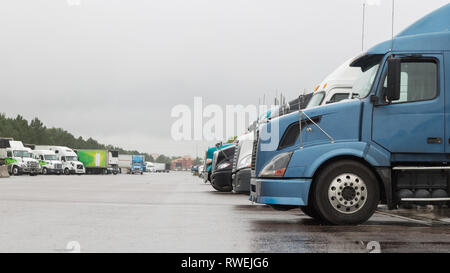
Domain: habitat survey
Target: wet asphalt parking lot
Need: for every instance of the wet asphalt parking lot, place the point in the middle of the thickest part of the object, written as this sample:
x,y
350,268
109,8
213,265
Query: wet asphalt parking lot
x,y
177,212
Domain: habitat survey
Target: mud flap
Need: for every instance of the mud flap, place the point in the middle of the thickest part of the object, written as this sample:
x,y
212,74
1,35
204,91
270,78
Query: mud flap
x,y
4,171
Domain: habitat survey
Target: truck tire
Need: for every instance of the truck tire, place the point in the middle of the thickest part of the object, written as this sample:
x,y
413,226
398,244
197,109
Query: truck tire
x,y
66,171
44,171
345,192
15,171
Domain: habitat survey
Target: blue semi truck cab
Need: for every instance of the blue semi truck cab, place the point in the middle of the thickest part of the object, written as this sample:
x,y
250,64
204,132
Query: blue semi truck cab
x,y
138,164
390,144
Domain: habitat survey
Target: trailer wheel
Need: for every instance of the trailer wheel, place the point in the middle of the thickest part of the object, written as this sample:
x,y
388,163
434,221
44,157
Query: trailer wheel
x,y
66,171
15,170
346,192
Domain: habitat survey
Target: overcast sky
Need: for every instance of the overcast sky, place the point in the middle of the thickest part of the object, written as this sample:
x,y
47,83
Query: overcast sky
x,y
113,69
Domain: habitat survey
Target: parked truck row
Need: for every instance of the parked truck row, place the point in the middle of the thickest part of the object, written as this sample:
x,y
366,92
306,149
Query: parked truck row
x,y
19,158
375,131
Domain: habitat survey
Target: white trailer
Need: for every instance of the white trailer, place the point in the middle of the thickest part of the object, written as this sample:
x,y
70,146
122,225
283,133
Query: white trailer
x,y
125,163
159,167
149,167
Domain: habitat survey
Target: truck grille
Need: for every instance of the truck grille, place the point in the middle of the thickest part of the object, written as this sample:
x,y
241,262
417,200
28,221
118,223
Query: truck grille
x,y
32,164
58,166
255,150
79,167
237,150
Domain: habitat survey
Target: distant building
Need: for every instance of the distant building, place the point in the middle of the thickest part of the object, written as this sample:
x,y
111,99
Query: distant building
x,y
182,163
155,156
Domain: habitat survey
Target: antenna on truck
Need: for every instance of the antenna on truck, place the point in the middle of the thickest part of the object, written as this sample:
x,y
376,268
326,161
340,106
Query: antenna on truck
x,y
300,113
392,25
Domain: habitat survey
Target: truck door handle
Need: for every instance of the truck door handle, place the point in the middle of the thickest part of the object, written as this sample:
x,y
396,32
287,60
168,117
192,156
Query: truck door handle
x,y
434,140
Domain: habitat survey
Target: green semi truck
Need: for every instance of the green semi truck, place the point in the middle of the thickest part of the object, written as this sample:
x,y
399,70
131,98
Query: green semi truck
x,y
99,161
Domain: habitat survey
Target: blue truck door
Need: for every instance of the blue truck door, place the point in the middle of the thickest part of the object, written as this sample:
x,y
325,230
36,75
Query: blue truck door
x,y
414,124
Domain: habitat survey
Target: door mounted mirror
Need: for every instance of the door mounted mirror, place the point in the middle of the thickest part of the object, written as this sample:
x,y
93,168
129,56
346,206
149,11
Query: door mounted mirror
x,y
393,80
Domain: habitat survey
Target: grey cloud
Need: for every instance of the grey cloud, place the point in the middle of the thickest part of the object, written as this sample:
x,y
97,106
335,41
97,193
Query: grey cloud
x,y
114,69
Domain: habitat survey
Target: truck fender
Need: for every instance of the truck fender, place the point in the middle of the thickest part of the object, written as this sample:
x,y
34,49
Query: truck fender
x,y
377,159
301,165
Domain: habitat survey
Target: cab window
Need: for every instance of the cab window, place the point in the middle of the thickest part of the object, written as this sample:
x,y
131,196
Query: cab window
x,y
316,99
338,97
418,81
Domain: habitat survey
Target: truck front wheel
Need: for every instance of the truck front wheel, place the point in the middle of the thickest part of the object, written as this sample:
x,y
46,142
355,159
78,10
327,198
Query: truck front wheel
x,y
15,170
345,192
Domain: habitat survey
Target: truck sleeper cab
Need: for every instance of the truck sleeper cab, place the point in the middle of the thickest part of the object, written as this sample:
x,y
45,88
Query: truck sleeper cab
x,y
68,158
392,144
17,158
337,86
48,161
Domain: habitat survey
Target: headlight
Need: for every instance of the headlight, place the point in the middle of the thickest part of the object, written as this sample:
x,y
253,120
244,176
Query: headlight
x,y
208,161
223,165
277,166
246,161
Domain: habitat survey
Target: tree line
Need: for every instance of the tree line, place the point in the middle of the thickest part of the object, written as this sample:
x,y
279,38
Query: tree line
x,y
35,132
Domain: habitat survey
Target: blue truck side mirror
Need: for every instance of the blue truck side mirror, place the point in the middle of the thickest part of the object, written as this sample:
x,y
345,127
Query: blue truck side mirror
x,y
393,81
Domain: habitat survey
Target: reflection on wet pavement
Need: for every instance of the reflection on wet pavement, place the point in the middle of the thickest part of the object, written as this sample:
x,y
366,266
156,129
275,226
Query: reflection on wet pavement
x,y
177,212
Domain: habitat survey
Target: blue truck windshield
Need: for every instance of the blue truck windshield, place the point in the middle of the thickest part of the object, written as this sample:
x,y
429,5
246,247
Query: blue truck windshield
x,y
364,83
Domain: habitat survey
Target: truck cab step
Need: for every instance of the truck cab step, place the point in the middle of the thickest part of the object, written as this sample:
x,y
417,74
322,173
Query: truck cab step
x,y
398,168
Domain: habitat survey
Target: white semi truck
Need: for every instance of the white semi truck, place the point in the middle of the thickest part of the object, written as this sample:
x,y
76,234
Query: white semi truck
x,y
337,86
17,158
48,161
68,158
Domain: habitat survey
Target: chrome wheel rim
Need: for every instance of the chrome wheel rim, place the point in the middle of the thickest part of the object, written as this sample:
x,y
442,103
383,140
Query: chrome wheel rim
x,y
347,193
